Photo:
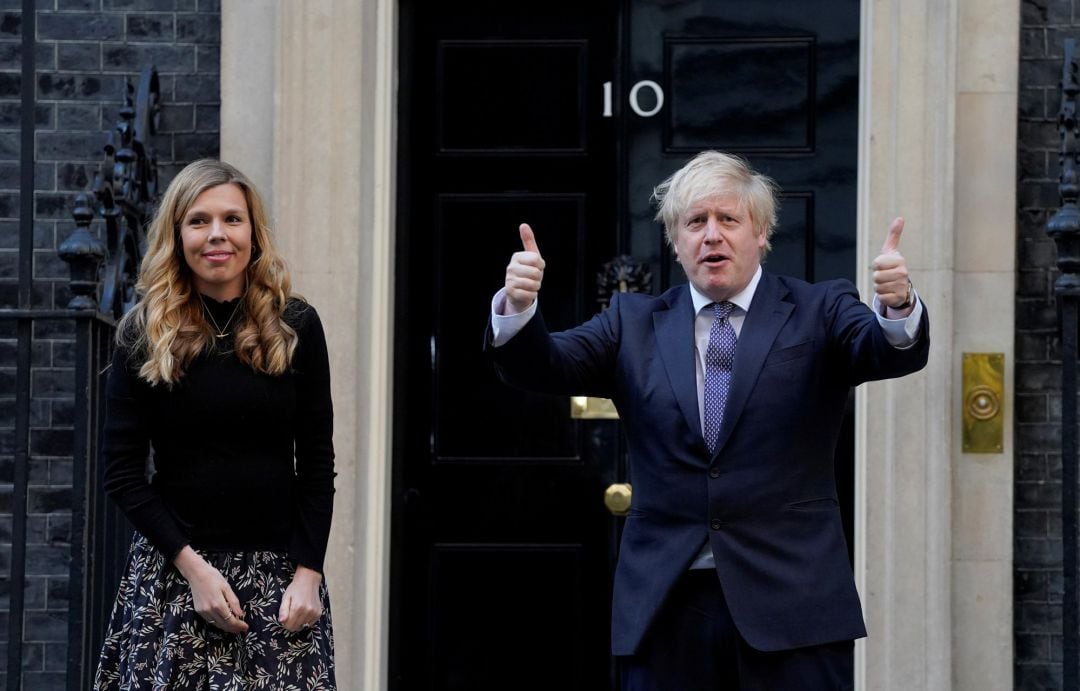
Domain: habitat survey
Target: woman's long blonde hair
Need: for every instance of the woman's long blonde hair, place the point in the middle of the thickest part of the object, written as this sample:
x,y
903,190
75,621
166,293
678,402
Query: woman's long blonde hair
x,y
167,326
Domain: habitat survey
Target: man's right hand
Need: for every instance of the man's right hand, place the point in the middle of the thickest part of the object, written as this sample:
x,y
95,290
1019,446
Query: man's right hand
x,y
524,273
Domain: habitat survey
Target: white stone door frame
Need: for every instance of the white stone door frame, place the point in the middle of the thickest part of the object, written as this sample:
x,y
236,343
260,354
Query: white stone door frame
x,y
308,110
937,133
902,526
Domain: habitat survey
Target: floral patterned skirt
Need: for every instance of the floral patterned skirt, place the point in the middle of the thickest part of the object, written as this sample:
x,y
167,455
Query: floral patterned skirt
x,y
156,641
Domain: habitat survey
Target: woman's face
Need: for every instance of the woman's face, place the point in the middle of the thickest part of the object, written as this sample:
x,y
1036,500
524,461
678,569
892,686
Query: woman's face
x,y
216,237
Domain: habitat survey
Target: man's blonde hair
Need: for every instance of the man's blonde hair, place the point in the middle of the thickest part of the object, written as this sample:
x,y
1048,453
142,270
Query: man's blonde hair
x,y
711,174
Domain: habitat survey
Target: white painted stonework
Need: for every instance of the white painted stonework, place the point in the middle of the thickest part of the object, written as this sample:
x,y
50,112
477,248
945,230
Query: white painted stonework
x,y
934,552
307,109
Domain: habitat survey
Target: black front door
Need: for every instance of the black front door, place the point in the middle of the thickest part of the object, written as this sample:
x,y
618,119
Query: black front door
x,y
565,115
501,541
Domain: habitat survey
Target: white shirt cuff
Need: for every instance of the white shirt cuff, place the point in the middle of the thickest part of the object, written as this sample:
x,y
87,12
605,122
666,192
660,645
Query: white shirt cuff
x,y
901,333
505,327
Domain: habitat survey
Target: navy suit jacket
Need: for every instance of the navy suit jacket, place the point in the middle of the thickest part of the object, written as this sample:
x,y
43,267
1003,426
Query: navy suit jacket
x,y
766,500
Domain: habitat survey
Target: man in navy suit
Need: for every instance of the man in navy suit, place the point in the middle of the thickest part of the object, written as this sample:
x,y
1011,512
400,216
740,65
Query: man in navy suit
x,y
733,570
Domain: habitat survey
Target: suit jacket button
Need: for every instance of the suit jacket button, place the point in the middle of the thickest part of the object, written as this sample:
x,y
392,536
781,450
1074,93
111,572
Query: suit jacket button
x,y
716,524
714,472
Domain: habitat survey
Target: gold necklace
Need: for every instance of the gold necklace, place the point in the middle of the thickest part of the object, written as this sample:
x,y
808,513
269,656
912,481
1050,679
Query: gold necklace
x,y
221,333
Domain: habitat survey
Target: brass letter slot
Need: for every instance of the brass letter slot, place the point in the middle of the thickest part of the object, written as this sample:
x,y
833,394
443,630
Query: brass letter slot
x,y
984,399
592,408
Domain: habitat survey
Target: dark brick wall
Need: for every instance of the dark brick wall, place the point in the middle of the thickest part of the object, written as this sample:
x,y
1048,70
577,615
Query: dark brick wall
x,y
1037,532
84,51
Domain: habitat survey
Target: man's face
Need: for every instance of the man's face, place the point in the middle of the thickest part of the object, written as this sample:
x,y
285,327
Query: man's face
x,y
717,245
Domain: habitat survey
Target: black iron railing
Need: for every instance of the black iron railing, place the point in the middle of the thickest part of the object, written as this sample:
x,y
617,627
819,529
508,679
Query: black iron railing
x,y
103,272
1064,228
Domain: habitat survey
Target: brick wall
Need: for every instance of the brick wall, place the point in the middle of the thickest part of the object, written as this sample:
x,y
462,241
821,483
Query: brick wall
x,y
84,51
1037,533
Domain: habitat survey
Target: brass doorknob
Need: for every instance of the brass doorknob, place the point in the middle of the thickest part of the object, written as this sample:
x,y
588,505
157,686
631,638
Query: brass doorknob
x,y
617,498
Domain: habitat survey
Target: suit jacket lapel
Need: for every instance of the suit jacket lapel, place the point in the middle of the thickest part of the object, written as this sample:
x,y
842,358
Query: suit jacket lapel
x,y
767,314
675,342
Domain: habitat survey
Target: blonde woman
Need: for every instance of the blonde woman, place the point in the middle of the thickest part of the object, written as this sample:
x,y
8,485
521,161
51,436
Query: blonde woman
x,y
223,375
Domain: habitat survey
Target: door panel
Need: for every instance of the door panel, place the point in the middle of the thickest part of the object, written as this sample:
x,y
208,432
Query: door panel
x,y
473,583
778,119
502,548
485,227
478,80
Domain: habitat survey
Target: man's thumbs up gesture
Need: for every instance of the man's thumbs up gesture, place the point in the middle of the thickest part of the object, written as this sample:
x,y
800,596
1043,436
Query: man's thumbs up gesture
x,y
891,282
524,273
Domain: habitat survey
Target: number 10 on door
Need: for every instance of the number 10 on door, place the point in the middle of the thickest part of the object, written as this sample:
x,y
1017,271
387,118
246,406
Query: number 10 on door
x,y
633,98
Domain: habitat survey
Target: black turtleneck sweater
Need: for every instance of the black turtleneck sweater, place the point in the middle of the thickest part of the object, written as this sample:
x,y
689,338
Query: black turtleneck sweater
x,y
243,460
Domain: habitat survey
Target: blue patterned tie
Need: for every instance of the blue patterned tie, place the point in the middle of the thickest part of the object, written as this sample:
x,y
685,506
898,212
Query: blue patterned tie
x,y
719,357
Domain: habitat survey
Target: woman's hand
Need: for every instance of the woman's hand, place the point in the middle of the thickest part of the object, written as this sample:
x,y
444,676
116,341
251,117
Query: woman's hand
x,y
212,595
301,606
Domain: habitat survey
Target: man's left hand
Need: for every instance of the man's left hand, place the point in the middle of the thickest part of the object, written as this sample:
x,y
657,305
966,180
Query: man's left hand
x,y
891,281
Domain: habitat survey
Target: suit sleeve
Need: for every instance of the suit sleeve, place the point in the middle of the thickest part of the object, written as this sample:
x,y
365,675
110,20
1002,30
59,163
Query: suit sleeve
x,y
579,361
859,342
